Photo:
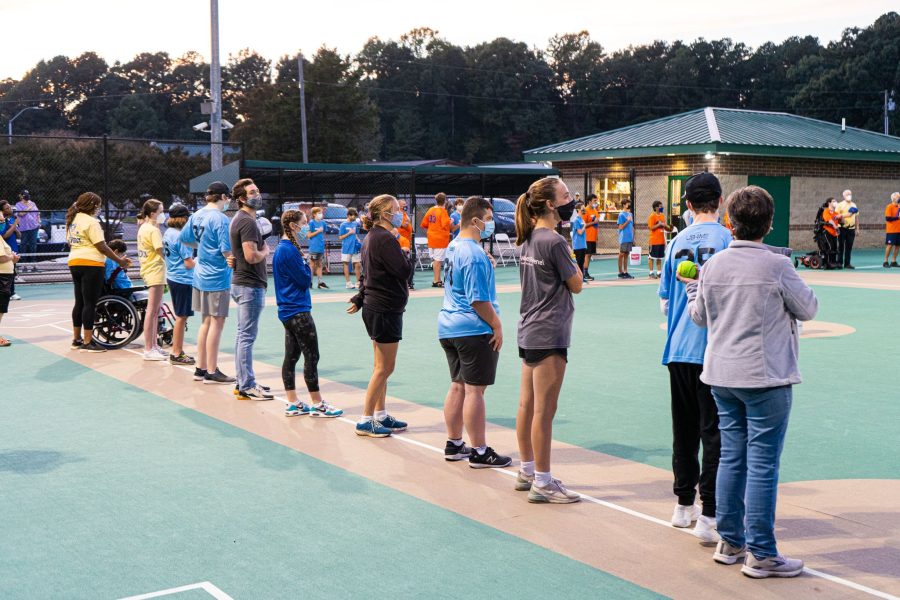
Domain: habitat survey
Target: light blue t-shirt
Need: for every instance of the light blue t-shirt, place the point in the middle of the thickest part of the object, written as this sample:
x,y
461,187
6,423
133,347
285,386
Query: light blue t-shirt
x,y
350,244
455,218
468,278
626,235
685,341
208,229
579,240
121,282
175,252
317,244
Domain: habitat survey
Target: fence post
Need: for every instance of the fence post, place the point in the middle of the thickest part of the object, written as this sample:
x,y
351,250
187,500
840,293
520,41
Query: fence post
x,y
107,227
243,158
587,176
414,219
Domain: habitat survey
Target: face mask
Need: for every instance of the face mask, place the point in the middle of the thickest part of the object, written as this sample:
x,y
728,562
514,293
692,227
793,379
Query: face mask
x,y
303,234
397,219
161,218
565,211
254,202
488,230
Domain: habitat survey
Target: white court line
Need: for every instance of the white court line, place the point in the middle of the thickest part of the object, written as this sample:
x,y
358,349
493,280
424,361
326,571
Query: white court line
x,y
588,497
206,586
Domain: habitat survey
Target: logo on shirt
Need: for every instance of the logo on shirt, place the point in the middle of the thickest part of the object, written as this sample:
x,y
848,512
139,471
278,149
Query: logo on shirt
x,y
530,260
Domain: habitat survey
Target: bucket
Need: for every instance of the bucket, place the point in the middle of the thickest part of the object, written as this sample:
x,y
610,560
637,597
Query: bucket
x,y
635,256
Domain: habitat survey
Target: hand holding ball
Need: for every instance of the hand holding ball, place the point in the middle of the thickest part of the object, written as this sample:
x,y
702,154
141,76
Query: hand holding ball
x,y
687,269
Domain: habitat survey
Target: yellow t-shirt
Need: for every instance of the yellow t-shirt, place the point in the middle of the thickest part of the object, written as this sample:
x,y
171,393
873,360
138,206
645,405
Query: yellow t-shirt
x,y
83,233
153,267
8,267
849,220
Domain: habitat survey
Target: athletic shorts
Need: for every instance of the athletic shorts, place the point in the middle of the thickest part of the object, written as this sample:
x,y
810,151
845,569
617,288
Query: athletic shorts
x,y
534,356
658,251
182,298
6,283
384,328
316,255
626,247
892,239
212,304
354,258
592,247
471,359
437,254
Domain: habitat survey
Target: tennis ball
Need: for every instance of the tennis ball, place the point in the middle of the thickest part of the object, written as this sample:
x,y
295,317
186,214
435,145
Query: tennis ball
x,y
688,269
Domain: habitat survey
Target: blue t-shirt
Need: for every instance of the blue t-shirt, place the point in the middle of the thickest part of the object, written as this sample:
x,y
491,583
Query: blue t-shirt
x,y
317,244
455,218
626,235
175,252
579,240
11,240
208,229
121,282
350,244
292,279
685,341
468,278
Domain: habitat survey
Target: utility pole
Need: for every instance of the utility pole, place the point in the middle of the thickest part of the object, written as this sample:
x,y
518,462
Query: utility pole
x,y
885,112
302,106
215,81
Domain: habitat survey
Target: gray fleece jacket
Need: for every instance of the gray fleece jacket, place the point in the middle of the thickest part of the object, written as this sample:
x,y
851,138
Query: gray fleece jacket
x,y
749,297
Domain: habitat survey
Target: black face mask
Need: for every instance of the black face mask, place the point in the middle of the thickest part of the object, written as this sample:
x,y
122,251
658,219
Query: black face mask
x,y
565,211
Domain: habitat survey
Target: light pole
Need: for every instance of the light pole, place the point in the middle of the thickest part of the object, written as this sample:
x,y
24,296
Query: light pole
x,y
215,84
9,125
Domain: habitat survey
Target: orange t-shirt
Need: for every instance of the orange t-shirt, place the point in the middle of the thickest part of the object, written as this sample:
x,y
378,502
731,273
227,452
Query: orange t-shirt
x,y
405,233
892,210
657,236
829,216
437,222
591,216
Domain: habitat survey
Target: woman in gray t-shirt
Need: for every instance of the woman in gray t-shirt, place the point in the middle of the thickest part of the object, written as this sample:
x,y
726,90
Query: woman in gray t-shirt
x,y
549,277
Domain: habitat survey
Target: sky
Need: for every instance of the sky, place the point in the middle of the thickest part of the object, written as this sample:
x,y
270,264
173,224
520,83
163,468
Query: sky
x,y
119,29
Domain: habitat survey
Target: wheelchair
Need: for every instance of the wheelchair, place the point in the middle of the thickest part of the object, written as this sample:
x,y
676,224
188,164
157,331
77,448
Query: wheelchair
x,y
120,314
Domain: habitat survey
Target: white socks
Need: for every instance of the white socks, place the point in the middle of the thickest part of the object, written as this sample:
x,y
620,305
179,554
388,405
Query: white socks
x,y
457,442
380,415
527,467
541,479
365,419
480,450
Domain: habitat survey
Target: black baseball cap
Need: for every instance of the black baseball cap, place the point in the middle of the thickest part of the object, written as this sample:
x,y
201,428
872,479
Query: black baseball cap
x,y
179,210
217,188
703,187
25,194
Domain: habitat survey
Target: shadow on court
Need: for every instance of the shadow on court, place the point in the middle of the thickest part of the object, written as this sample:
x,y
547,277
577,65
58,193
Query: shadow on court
x,y
35,462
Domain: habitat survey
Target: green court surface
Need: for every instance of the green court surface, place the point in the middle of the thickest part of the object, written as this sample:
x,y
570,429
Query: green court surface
x,y
108,491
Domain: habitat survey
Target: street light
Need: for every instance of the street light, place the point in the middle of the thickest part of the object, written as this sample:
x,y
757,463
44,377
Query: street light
x,y
9,125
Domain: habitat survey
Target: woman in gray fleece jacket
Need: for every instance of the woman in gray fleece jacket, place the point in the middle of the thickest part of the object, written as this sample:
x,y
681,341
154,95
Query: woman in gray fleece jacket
x,y
750,298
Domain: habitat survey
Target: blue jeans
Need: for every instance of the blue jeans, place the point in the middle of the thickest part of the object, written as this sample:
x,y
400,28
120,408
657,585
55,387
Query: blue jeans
x,y
28,245
753,423
251,302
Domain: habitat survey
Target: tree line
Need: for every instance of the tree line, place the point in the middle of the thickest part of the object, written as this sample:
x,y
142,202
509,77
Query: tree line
x,y
422,96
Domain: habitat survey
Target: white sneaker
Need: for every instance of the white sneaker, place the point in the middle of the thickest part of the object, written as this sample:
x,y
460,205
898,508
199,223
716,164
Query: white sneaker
x,y
727,554
350,286
15,297
685,515
255,393
772,566
705,530
553,493
155,355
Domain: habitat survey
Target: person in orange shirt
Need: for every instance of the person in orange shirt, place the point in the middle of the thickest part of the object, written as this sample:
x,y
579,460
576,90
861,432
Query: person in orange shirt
x,y
892,230
437,223
405,235
592,224
657,225
830,223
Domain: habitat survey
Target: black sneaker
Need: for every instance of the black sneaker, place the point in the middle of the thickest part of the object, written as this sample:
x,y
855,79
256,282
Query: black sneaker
x,y
437,284
181,359
886,265
894,264
627,276
199,374
849,267
92,347
77,343
217,377
453,452
322,285
588,277
621,275
488,460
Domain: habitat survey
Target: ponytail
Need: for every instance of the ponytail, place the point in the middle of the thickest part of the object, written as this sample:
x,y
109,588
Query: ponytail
x,y
378,207
534,203
149,207
87,202
289,217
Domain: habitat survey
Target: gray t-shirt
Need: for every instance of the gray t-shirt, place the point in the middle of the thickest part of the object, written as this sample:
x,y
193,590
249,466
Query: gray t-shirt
x,y
547,307
245,229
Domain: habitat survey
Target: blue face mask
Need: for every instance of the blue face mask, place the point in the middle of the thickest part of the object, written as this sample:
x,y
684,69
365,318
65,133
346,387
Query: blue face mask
x,y
303,234
488,230
397,219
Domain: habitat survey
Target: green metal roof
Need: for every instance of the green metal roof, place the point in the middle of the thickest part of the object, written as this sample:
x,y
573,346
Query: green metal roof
x,y
727,130
526,169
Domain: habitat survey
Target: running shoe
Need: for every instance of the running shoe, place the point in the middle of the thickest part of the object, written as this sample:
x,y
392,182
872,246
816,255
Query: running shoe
x,y
894,264
322,285
627,276
265,388
92,347
324,411
553,493
181,359
452,452
524,482
727,554
350,286
684,515
217,377
77,343
15,297
437,284
199,374
297,410
372,429
154,355
705,530
771,566
488,460
588,277
393,424
255,393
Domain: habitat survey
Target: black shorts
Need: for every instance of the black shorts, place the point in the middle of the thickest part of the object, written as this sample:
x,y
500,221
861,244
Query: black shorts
x,y
591,247
6,283
384,328
471,359
658,251
182,294
534,356
892,239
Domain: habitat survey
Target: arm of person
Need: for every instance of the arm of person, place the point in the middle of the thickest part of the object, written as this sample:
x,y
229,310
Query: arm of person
x,y
395,262
253,255
696,305
313,233
581,231
665,282
356,302
187,236
486,311
224,238
106,251
9,231
799,299
299,272
424,223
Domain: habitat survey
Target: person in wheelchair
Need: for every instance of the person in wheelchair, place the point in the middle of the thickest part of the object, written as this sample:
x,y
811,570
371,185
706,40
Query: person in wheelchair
x,y
117,281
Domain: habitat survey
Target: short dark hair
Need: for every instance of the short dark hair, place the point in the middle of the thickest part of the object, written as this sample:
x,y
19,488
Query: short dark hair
x,y
351,212
579,205
239,190
474,208
750,209
440,198
592,197
657,203
117,246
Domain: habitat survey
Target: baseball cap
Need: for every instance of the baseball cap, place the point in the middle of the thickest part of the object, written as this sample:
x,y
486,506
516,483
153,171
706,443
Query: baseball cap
x,y
179,210
702,186
217,188
25,194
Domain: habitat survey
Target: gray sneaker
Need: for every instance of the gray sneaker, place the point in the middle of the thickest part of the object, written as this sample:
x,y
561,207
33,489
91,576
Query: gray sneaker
x,y
523,482
554,493
771,566
727,554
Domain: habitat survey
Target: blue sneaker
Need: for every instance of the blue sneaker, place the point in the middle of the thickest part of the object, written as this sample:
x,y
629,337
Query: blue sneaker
x,y
372,429
325,411
297,410
393,424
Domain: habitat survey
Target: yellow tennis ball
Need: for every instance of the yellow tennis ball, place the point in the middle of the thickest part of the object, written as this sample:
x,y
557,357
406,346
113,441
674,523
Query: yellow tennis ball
x,y
688,269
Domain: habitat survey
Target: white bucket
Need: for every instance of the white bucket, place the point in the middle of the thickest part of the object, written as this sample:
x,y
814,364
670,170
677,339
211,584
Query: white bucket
x,y
57,234
635,256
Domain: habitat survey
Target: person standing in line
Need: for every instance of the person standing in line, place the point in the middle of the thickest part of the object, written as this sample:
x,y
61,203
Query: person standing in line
x,y
207,230
153,272
849,219
579,242
29,224
317,249
179,277
471,335
455,218
293,278
382,297
892,230
9,231
248,286
8,260
831,223
549,279
695,420
87,264
625,226
436,222
350,246
592,233
405,237
657,225
749,297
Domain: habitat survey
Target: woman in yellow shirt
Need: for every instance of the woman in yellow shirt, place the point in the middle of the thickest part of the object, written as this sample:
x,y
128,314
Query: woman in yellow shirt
x,y
153,272
87,249
8,260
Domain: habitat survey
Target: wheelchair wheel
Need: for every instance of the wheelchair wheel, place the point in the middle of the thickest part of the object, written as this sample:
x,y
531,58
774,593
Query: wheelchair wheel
x,y
815,262
117,322
164,334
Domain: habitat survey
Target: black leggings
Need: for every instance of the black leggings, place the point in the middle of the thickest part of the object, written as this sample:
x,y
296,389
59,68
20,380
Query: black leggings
x,y
88,289
579,259
300,338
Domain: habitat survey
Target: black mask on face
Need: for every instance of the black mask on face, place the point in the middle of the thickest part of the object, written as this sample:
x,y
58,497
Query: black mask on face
x,y
565,211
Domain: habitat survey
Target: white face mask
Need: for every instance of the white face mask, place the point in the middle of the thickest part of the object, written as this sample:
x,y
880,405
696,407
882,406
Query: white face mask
x,y
161,218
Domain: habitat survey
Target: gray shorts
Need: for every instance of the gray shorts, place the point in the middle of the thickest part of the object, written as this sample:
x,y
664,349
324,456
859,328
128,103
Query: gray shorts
x,y
626,247
213,304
